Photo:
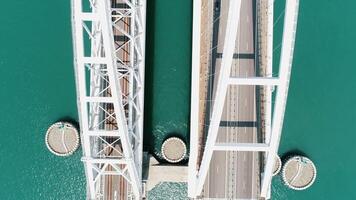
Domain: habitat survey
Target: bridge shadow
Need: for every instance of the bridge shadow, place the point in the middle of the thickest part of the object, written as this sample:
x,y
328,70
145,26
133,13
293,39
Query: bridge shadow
x,y
291,153
149,75
70,120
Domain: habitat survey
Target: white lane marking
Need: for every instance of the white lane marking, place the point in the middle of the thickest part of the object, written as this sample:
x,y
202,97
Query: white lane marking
x,y
217,169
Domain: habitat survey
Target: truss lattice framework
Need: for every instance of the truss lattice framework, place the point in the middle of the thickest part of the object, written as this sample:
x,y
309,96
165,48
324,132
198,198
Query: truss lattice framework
x,y
270,146
109,38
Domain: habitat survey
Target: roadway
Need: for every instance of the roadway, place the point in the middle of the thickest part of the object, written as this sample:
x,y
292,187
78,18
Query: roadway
x,y
235,175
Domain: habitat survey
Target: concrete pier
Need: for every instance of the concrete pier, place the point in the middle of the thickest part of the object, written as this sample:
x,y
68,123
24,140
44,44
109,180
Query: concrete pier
x,y
62,139
174,150
277,166
299,173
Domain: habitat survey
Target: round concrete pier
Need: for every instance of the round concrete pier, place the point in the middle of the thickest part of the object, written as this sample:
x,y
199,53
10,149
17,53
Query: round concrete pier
x,y
277,165
173,150
299,173
62,139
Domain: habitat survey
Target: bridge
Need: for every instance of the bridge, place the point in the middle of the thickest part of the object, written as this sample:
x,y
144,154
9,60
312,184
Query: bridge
x,y
109,49
234,136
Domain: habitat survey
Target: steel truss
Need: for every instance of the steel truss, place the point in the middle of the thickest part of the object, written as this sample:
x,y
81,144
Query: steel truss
x,y
280,83
109,49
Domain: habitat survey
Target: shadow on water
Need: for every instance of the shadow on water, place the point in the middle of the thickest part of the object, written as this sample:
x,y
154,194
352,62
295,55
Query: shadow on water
x,y
70,120
149,75
167,82
163,162
291,153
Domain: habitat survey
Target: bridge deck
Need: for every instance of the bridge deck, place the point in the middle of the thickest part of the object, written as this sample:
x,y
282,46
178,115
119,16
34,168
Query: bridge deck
x,y
113,186
231,175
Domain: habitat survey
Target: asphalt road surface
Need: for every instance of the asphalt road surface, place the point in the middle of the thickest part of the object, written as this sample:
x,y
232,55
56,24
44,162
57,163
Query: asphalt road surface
x,y
235,175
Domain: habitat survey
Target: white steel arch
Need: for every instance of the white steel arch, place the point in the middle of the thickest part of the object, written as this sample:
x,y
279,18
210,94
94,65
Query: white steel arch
x,y
194,106
281,83
109,44
223,83
285,67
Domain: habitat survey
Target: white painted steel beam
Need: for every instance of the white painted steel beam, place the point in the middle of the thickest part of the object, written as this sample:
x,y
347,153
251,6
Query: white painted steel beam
x,y
78,49
269,71
194,107
226,63
99,99
94,60
105,160
100,133
116,91
285,66
254,81
108,96
241,147
268,104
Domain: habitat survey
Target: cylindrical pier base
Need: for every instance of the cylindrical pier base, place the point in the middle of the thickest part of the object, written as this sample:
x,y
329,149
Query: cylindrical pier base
x,y
277,165
173,150
299,173
62,139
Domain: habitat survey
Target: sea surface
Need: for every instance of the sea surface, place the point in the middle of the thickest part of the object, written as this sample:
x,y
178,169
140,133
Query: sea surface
x,y
168,65
320,119
37,88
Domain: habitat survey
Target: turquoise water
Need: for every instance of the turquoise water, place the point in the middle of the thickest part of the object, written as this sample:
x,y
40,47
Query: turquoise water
x,y
37,88
167,190
321,110
168,56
